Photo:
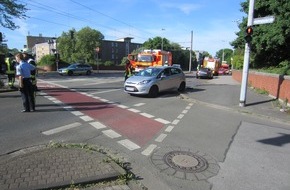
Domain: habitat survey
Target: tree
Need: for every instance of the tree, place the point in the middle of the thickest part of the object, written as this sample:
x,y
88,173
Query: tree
x,y
179,56
79,46
271,42
225,54
10,9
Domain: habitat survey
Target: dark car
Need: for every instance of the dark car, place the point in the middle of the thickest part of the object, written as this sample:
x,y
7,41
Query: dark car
x,y
204,73
76,69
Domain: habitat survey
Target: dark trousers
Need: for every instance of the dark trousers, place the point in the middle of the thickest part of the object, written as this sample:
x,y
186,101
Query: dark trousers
x,y
11,79
27,94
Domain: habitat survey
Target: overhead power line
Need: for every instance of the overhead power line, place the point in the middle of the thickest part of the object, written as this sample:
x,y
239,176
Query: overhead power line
x,y
68,15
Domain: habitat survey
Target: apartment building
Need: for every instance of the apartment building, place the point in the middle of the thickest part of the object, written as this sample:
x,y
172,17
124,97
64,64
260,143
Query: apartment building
x,y
110,50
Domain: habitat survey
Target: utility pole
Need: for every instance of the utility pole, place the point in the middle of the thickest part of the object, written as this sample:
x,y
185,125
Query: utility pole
x,y
246,58
190,53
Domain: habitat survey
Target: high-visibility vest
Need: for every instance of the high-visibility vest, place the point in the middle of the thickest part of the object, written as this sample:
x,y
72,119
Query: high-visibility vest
x,y
10,66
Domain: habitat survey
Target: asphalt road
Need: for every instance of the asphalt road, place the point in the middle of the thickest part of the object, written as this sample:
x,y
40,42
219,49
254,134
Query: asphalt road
x,y
209,142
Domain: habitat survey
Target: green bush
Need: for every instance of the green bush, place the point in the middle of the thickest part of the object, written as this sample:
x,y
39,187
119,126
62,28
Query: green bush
x,y
282,69
47,60
108,63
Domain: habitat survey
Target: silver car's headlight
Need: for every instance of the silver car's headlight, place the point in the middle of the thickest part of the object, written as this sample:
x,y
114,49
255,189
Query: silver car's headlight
x,y
144,82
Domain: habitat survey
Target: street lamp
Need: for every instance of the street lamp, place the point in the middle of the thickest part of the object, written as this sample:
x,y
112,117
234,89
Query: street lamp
x,y
162,40
97,58
53,50
223,55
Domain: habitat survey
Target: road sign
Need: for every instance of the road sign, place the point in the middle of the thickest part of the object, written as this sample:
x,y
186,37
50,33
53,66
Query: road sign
x,y
263,20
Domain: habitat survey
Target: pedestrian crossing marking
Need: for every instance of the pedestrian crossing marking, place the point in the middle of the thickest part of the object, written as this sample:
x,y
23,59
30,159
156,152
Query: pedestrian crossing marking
x,y
62,128
129,144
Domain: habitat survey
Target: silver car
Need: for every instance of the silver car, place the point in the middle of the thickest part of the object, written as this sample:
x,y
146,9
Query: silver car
x,y
153,80
76,69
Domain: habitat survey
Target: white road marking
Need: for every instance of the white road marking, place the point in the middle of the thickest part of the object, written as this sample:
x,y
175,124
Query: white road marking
x,y
68,108
90,95
63,128
188,107
129,144
98,125
112,134
175,121
104,100
140,104
134,110
51,98
57,102
105,91
184,111
161,137
149,150
162,121
42,93
77,113
86,118
122,106
147,115
180,116
169,129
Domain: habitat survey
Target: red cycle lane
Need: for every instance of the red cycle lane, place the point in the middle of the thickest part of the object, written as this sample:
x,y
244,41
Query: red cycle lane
x,y
133,126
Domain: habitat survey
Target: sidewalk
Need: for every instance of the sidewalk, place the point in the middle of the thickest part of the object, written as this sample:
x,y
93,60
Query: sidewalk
x,y
223,92
47,168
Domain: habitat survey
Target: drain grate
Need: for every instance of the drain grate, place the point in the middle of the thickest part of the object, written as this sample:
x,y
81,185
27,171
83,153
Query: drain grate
x,y
185,161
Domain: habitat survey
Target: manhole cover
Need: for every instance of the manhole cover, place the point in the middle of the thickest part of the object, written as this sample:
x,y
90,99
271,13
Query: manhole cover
x,y
185,161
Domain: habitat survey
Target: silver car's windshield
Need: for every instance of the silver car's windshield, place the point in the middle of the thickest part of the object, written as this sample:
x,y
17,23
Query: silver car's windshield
x,y
149,72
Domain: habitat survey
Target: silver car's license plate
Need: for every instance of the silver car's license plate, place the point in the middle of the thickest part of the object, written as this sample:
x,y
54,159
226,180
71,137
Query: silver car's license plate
x,y
129,89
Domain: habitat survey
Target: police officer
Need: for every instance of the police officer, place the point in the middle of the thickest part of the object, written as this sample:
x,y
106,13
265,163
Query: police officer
x,y
10,70
30,60
23,72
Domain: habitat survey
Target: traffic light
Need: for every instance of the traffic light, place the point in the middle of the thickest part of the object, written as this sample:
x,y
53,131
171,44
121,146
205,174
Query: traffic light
x,y
249,32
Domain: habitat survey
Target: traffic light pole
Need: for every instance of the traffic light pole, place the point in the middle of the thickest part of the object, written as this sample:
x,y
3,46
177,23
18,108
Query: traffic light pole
x,y
244,84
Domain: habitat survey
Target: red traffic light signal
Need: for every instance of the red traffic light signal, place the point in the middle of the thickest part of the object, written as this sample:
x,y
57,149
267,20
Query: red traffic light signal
x,y
249,30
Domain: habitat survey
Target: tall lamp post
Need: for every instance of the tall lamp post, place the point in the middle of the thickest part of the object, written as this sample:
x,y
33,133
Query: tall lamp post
x,y
97,58
162,40
53,50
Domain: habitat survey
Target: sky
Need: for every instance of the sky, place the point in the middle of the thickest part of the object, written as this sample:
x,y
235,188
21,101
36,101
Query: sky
x,y
212,23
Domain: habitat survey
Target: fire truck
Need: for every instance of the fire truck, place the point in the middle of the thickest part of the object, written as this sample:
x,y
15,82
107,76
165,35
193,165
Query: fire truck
x,y
212,63
147,58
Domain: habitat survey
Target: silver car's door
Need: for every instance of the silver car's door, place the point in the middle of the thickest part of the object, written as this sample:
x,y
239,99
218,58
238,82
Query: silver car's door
x,y
165,80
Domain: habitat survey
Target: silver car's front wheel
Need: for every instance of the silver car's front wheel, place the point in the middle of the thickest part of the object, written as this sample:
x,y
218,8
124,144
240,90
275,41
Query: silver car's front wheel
x,y
181,87
153,92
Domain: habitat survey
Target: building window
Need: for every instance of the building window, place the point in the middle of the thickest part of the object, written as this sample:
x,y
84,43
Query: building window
x,y
127,48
